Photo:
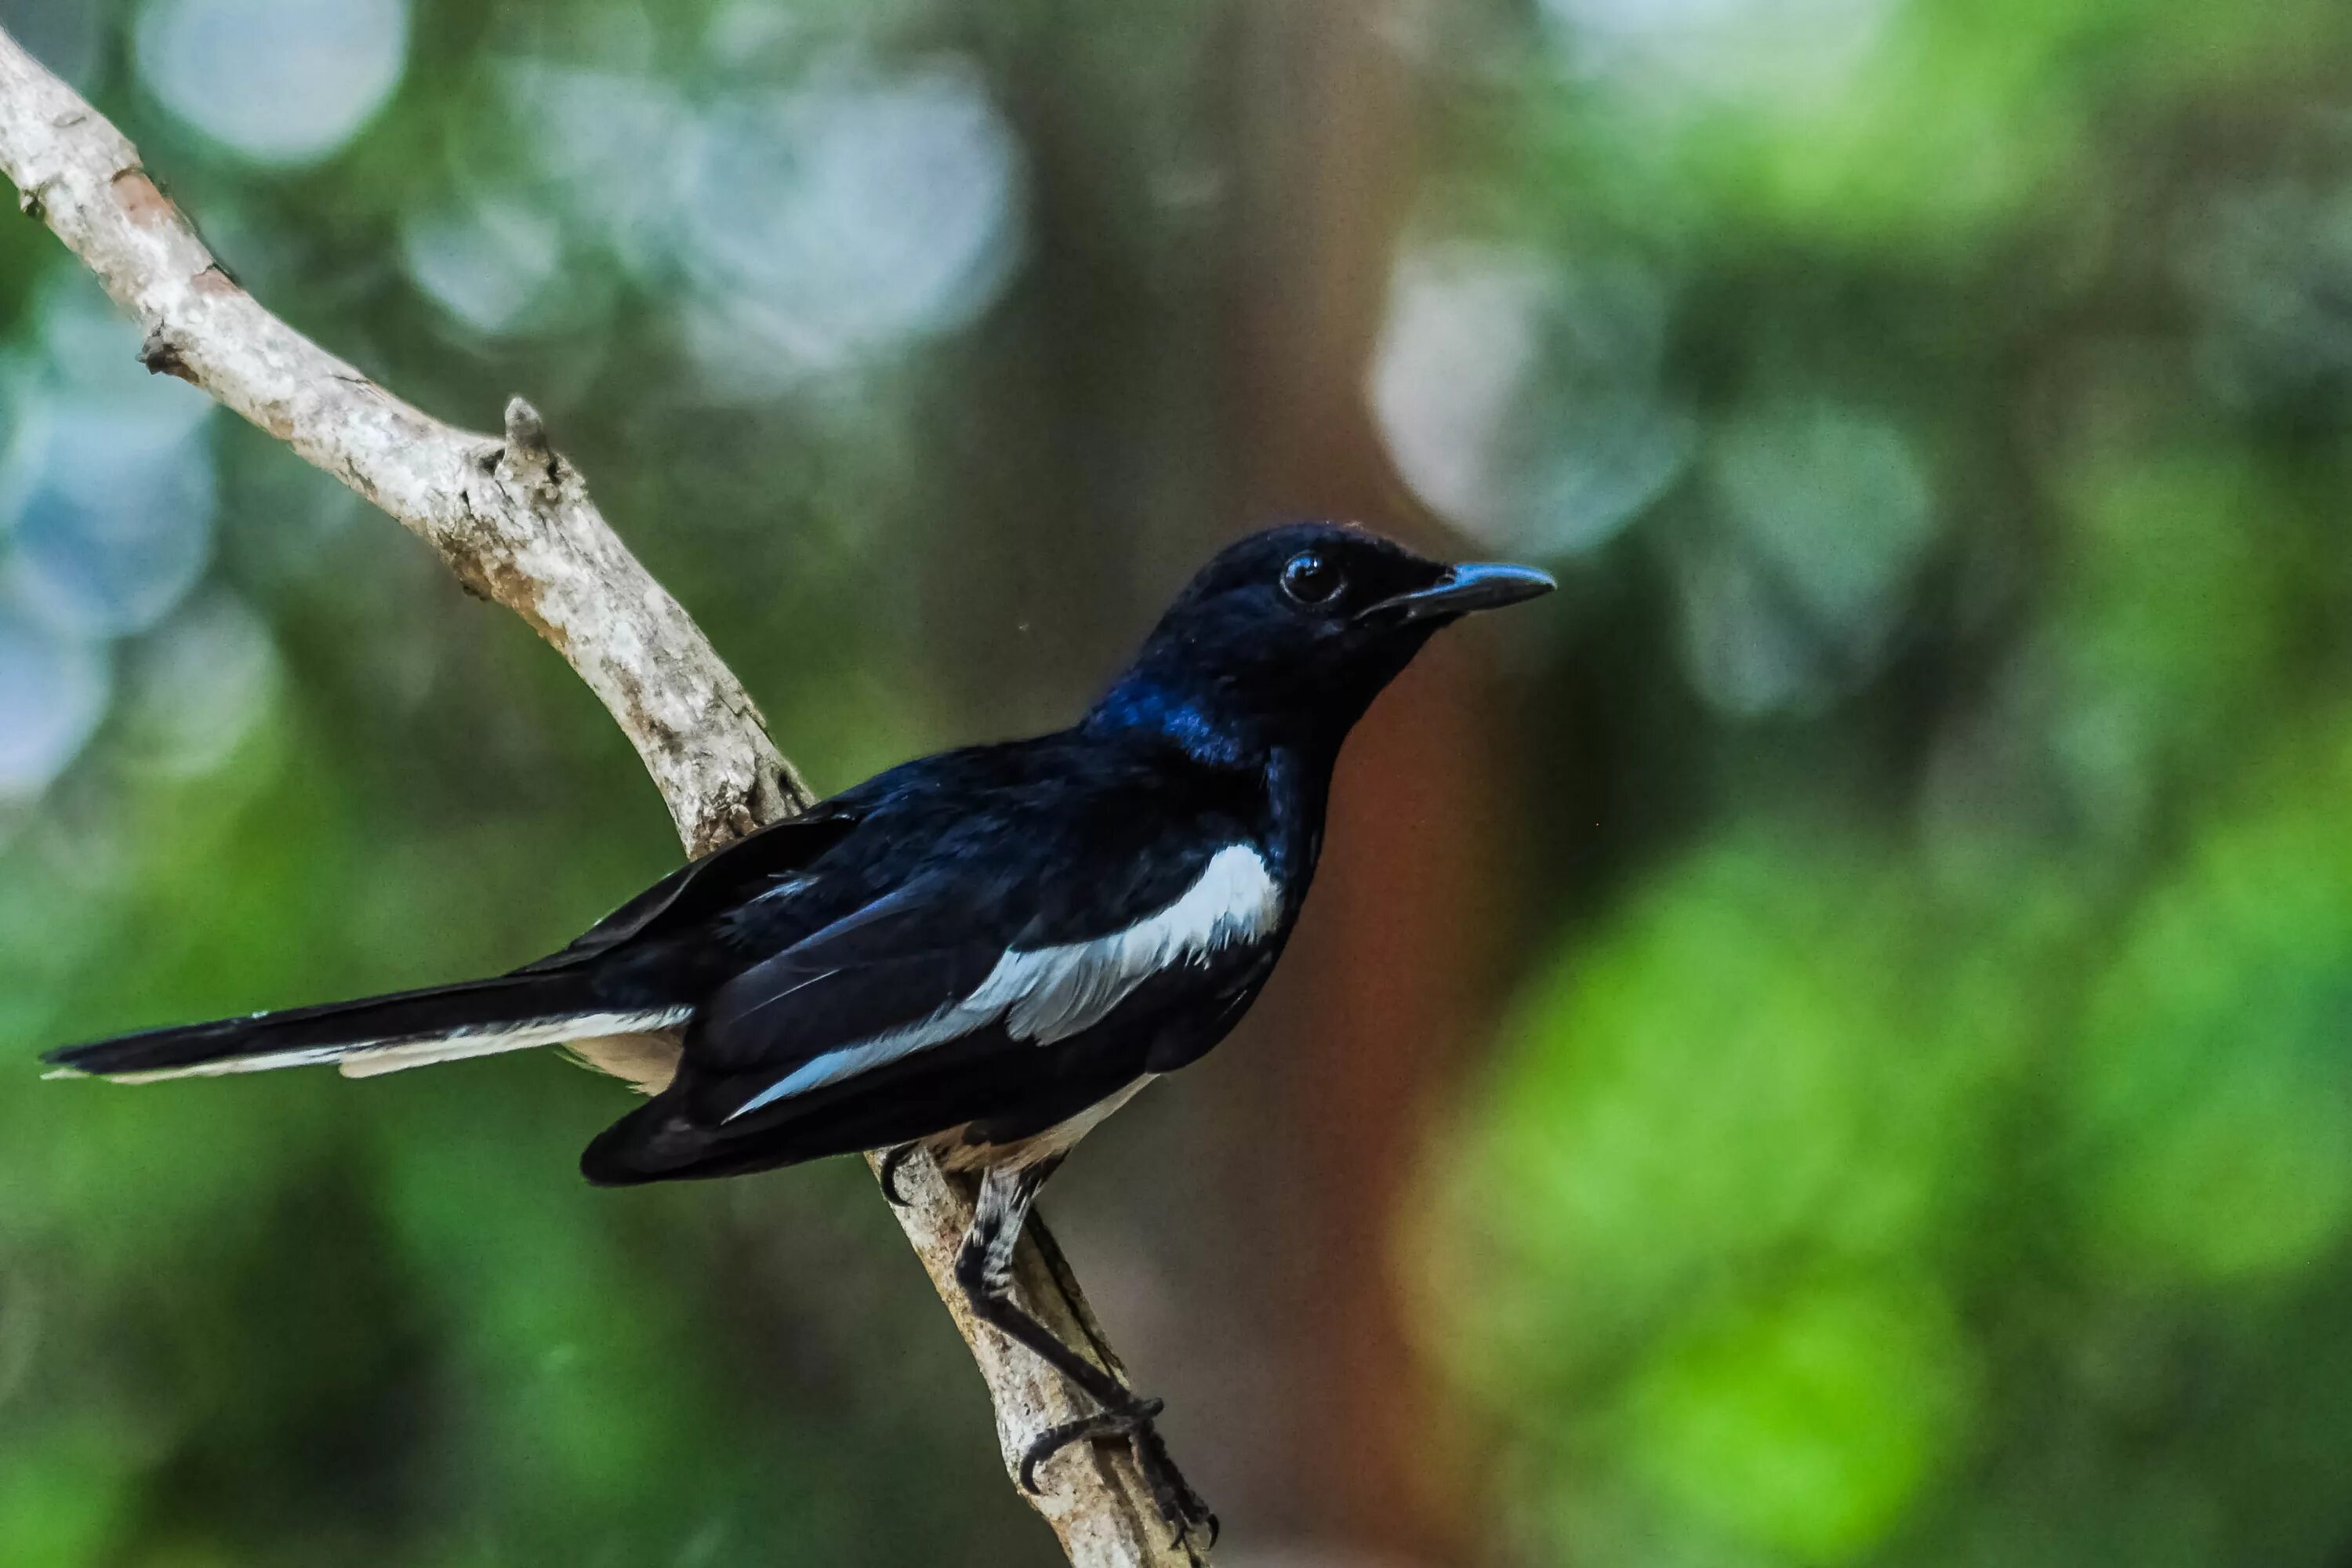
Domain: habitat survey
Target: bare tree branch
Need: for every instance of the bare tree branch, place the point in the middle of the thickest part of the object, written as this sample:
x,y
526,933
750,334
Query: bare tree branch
x,y
513,520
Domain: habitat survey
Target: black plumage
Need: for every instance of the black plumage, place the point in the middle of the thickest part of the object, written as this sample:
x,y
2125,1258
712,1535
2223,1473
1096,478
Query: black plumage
x,y
980,953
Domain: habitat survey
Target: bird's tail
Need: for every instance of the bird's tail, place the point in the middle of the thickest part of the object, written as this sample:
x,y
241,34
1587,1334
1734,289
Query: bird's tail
x,y
376,1034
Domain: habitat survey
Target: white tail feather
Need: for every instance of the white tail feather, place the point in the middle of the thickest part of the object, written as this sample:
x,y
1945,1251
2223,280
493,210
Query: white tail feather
x,y
400,1055
367,1059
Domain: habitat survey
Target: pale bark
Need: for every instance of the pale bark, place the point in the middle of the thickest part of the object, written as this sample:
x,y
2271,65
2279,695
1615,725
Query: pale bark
x,y
513,520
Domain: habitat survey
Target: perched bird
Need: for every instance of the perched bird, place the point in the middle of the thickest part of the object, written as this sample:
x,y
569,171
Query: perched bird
x,y
981,954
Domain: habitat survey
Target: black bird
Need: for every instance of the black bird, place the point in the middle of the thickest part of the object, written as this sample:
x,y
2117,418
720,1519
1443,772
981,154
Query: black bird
x,y
981,954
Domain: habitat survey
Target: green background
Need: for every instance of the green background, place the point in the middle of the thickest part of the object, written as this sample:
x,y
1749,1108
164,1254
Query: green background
x,y
1875,1078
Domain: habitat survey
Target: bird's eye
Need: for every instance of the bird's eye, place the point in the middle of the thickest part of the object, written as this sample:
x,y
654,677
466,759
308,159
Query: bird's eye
x,y
1310,579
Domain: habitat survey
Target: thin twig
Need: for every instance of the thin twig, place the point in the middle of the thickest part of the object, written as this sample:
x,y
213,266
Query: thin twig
x,y
513,519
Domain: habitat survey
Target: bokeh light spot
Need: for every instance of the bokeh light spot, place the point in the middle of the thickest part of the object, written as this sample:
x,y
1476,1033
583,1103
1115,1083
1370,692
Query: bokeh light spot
x,y
277,81
1806,1423
53,692
487,263
1523,398
831,222
2216,1127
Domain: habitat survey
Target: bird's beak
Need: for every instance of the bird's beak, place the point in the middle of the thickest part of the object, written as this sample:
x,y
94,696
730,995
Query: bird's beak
x,y
1474,585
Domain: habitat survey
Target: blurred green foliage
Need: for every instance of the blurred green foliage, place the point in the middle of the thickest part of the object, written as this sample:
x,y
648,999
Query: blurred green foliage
x,y
1939,1149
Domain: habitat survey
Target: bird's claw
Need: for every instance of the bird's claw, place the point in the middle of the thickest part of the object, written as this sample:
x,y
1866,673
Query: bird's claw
x,y
1184,1510
1101,1424
889,1175
1178,1503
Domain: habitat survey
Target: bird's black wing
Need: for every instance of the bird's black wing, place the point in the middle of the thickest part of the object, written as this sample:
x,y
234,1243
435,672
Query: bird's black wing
x,y
702,890
887,965
960,995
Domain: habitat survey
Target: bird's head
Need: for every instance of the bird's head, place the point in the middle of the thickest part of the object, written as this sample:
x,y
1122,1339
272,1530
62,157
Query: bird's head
x,y
1292,633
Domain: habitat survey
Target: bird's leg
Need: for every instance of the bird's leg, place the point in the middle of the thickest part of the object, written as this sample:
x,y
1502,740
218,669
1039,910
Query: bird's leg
x,y
985,1269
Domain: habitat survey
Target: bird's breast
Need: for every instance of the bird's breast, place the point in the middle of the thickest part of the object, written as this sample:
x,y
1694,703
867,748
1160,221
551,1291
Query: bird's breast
x,y
956,1150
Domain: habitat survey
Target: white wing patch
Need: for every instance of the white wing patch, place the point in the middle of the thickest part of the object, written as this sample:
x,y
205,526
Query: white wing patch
x,y
1048,994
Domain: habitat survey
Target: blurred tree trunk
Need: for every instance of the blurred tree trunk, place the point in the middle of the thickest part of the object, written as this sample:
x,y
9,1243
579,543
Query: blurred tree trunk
x,y
1144,401
1373,1023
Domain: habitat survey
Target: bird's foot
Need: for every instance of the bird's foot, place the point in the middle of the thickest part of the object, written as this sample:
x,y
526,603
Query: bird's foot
x,y
1178,1503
